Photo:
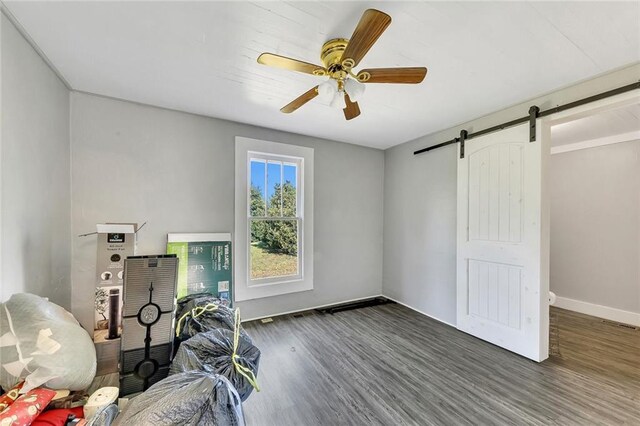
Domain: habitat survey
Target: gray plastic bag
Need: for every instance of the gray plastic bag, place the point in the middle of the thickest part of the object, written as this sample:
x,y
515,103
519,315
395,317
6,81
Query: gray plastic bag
x,y
212,351
189,398
198,313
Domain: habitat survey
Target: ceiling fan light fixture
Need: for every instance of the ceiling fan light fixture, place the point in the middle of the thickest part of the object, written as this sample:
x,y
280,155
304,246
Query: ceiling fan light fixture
x,y
340,56
338,101
354,89
327,90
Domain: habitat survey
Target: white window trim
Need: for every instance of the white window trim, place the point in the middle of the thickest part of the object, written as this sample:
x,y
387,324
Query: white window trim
x,y
245,289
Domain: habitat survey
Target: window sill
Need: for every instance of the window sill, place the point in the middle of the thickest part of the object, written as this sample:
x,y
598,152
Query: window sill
x,y
274,281
272,289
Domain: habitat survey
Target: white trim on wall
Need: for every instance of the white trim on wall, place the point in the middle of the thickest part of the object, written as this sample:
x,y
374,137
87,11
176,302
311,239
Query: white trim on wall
x,y
350,301
586,308
420,312
245,288
315,307
592,143
600,311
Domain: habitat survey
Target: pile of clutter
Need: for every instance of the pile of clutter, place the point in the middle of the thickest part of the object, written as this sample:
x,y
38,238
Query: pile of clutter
x,y
49,361
213,371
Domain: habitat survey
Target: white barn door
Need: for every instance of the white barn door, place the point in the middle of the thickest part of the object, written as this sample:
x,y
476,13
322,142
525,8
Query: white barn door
x,y
502,261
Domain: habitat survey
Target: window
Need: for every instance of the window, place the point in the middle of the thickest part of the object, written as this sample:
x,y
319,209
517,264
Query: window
x,y
274,219
274,224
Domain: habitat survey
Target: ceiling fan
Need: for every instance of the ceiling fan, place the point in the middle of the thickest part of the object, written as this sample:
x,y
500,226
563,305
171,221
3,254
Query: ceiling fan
x,y
339,57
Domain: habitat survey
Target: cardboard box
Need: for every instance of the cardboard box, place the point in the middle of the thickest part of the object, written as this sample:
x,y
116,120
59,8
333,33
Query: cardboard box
x,y
116,241
205,263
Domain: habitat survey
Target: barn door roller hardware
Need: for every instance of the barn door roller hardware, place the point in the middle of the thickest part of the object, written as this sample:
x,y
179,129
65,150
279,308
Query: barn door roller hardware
x,y
463,137
534,113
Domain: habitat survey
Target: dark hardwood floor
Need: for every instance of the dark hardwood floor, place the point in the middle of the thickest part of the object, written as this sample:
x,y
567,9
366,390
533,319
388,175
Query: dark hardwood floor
x,y
388,365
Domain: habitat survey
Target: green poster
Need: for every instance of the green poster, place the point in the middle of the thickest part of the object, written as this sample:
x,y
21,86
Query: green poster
x,y
205,264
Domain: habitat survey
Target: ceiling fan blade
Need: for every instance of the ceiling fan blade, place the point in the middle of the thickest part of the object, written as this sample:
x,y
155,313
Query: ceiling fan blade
x,y
300,100
371,26
393,75
352,110
290,64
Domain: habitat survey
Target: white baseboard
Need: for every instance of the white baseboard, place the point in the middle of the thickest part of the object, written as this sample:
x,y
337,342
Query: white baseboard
x,y
612,314
592,309
349,301
420,312
313,307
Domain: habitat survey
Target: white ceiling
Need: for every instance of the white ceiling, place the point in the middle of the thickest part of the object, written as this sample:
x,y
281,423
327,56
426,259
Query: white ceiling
x,y
618,121
200,57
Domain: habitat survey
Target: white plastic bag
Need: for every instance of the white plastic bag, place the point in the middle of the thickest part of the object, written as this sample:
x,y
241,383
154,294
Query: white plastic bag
x,y
43,344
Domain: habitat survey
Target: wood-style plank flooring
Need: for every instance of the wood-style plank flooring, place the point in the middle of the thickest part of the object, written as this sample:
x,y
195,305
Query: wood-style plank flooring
x,y
388,365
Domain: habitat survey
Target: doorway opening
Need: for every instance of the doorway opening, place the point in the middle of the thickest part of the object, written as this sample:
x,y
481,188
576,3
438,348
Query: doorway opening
x,y
594,198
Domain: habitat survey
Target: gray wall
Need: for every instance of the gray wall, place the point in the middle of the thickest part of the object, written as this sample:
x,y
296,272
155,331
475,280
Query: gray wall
x,y
595,225
35,174
420,205
134,163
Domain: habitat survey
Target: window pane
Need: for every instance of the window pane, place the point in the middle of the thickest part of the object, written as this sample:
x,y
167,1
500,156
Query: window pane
x,y
257,201
274,248
289,189
274,179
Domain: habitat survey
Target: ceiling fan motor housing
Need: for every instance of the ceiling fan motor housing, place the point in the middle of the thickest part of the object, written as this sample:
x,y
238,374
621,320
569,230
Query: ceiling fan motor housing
x,y
331,56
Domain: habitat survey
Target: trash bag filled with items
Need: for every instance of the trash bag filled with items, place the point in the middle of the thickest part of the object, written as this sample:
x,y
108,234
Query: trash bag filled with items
x,y
202,312
189,398
224,352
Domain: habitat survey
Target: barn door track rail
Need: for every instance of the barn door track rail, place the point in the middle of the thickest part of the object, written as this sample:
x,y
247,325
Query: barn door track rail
x,y
534,114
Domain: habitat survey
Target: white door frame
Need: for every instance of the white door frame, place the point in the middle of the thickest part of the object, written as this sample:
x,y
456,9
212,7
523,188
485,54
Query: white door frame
x,y
582,111
612,102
